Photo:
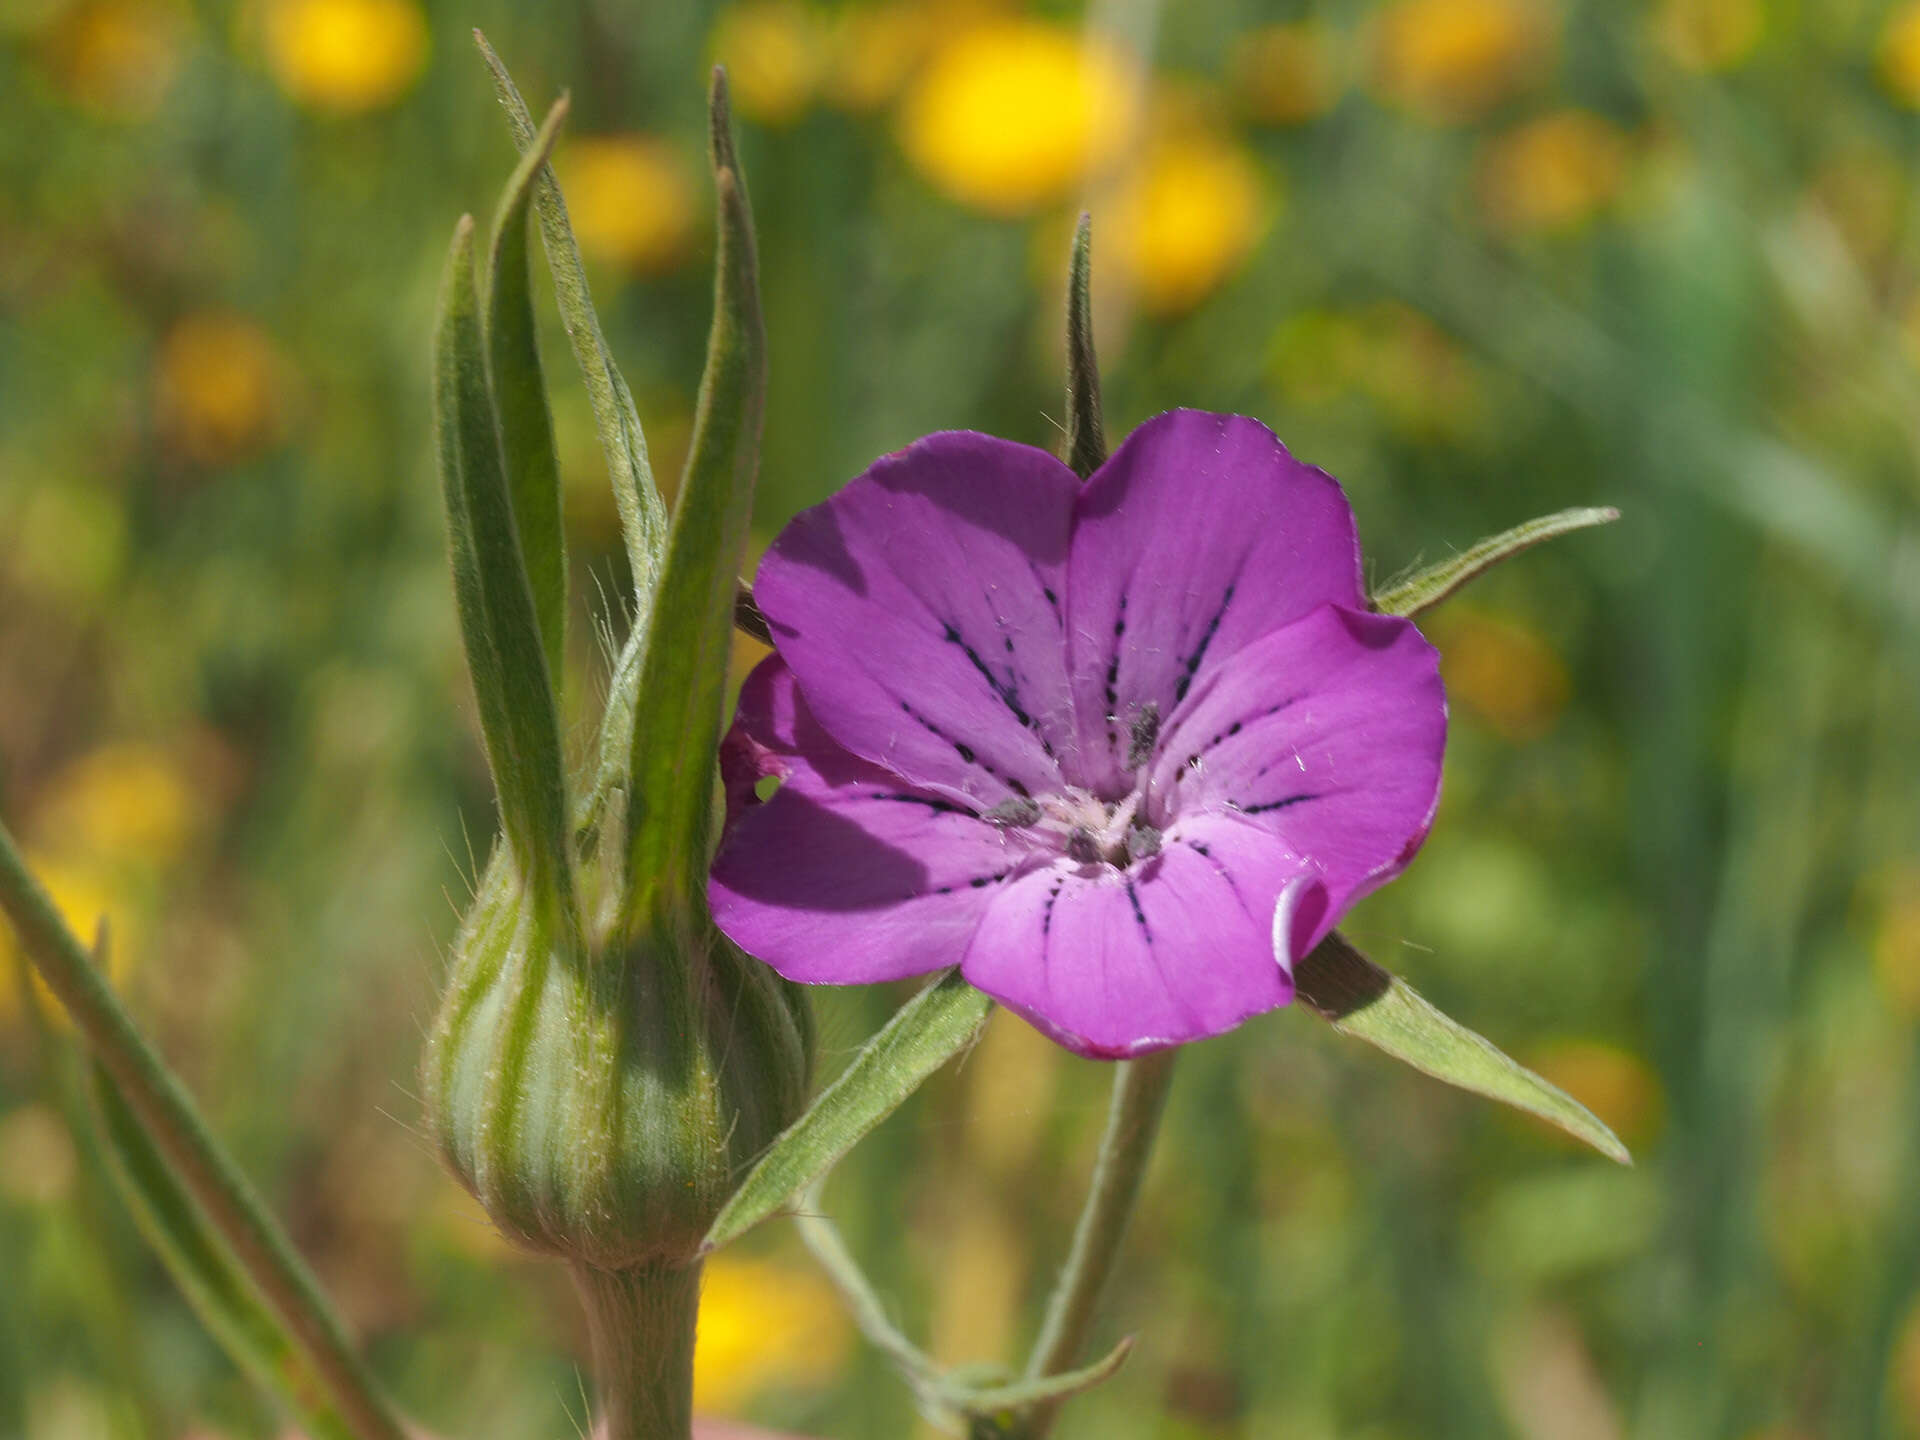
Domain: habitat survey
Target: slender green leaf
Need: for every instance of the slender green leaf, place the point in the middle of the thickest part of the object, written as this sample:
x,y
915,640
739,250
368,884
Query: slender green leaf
x,y
1427,588
497,621
1008,1400
929,1030
683,676
1086,444
643,516
520,391
1362,1000
204,1269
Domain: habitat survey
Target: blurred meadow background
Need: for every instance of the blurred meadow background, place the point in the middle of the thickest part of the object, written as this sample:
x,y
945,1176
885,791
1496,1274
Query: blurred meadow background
x,y
1479,258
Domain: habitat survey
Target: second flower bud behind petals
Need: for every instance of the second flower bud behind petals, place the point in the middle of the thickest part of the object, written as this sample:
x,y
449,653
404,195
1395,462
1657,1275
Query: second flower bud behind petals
x,y
1095,745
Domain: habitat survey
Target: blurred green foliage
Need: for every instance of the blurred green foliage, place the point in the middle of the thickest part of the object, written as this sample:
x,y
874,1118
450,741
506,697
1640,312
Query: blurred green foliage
x,y
1479,258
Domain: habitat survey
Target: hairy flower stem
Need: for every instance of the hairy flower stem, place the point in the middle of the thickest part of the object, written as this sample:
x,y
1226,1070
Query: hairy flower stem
x,y
167,1113
1133,1120
642,1326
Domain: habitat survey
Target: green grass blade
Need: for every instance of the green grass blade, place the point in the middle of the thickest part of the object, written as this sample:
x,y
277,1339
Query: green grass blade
x,y
1427,588
167,1115
520,392
683,677
204,1269
929,1030
497,621
1362,1000
643,516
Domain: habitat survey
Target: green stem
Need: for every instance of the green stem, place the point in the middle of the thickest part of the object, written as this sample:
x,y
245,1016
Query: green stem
x,y
1133,1119
167,1113
642,1324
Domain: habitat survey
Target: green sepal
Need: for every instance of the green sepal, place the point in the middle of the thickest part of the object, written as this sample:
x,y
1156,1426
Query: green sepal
x,y
520,393
937,1024
1427,588
1001,1408
678,713
497,620
1360,999
205,1270
1085,450
643,516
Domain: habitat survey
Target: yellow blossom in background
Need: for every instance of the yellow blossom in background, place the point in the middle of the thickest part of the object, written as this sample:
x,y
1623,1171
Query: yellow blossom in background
x,y
630,198
1286,74
119,804
1503,671
1011,1081
83,896
774,51
1184,219
37,1160
1903,1379
1900,55
1452,60
345,56
219,389
872,53
764,1325
1014,114
1614,1084
1553,173
119,58
1896,942
1710,35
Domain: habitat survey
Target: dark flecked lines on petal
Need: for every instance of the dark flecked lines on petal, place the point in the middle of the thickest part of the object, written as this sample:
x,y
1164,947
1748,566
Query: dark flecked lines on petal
x,y
1191,665
1266,806
933,803
968,755
978,882
1139,915
1006,691
1192,762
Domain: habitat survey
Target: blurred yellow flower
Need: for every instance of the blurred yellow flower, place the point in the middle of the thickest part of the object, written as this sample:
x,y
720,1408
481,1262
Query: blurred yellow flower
x,y
346,56
1013,114
119,58
1615,1084
873,51
764,1325
1503,671
219,388
83,896
119,804
630,198
1451,60
1286,74
1416,373
37,1160
774,51
1012,1078
1709,35
1184,220
1900,54
1896,942
1553,173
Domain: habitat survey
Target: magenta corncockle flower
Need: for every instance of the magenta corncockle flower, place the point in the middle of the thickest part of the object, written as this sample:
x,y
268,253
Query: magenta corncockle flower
x,y
1122,751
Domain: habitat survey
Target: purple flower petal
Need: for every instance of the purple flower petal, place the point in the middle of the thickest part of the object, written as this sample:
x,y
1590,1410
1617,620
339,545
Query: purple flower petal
x,y
1200,535
847,874
921,609
1328,733
1113,963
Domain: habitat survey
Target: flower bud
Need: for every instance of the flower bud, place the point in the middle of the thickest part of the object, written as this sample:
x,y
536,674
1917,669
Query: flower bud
x,y
605,1062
